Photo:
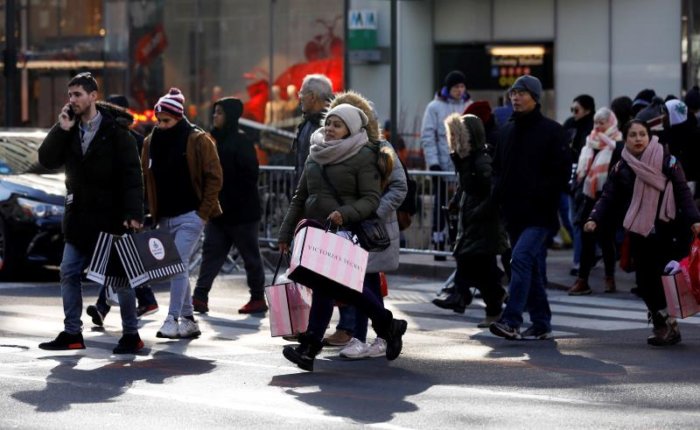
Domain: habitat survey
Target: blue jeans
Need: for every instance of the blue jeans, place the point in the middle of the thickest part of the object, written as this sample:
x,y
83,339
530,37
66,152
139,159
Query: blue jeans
x,y
527,288
186,230
72,266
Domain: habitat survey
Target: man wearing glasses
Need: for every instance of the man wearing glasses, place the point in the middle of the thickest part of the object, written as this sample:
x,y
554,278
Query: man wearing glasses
x,y
531,168
315,95
104,188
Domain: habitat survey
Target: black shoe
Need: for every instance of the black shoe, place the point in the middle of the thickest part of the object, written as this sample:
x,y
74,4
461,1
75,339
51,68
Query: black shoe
x,y
394,343
64,341
536,333
502,329
97,318
455,301
304,354
130,343
439,258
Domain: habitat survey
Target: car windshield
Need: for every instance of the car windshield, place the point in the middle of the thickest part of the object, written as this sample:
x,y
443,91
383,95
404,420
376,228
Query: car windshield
x,y
19,152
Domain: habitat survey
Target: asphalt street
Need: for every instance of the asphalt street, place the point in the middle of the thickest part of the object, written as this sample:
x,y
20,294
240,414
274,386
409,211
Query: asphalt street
x,y
597,373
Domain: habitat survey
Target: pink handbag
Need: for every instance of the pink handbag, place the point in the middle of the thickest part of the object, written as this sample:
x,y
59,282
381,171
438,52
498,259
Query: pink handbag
x,y
321,258
289,305
680,300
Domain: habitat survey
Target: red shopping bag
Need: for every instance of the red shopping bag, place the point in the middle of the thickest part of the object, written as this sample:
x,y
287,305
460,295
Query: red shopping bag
x,y
694,268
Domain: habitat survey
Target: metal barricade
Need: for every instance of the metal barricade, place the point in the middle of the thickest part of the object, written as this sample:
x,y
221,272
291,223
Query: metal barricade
x,y
275,185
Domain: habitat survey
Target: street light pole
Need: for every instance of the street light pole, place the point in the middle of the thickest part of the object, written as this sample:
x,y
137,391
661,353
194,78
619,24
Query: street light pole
x,y
394,69
10,62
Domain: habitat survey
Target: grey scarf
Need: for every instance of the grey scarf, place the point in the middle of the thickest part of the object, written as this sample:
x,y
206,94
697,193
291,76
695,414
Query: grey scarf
x,y
335,151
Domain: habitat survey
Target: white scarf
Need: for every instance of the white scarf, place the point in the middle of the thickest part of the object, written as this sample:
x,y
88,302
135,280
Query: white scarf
x,y
335,151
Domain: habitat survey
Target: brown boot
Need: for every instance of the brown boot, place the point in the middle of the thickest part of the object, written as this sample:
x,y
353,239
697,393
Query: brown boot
x,y
339,338
580,288
666,330
610,284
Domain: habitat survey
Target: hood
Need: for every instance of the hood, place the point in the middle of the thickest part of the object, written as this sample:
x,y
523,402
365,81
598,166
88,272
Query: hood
x,y
465,133
46,188
355,99
233,109
120,115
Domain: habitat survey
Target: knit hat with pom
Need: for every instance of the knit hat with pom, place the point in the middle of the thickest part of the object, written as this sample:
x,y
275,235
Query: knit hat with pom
x,y
172,103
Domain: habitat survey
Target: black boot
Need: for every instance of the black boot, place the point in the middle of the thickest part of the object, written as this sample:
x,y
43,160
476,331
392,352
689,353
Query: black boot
x,y
304,354
666,330
456,301
394,341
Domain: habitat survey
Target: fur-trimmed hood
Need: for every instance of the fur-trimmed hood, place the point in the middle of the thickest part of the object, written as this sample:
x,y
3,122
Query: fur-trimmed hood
x,y
464,133
120,115
357,100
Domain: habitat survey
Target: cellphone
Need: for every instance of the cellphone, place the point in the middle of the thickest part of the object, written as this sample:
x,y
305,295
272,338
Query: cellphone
x,y
71,113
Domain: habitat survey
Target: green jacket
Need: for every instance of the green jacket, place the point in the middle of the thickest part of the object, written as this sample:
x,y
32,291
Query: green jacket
x,y
357,181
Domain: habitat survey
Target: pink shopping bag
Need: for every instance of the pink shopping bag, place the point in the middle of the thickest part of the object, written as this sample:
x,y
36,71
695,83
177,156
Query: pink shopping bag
x,y
289,305
680,300
321,258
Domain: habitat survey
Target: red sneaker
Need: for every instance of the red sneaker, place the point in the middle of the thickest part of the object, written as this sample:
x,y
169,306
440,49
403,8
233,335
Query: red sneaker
x,y
253,307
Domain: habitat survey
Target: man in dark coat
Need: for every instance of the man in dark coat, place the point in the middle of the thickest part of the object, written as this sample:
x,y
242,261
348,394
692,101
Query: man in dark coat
x,y
104,194
531,169
314,97
240,201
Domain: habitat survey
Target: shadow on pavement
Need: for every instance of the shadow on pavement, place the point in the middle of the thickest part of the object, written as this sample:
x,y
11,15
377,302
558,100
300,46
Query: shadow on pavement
x,y
371,393
66,385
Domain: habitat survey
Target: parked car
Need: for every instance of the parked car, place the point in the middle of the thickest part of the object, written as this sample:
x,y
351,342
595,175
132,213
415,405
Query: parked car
x,y
31,205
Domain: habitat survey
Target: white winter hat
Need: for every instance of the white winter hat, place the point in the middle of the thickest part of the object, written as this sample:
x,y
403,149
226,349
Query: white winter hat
x,y
677,112
353,117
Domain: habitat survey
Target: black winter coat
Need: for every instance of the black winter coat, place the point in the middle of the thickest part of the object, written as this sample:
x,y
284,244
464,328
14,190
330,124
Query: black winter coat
x,y
617,196
239,196
531,168
104,186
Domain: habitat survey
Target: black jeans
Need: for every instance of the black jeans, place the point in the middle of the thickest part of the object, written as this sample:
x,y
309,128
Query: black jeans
x,y
606,239
368,303
218,239
650,255
481,271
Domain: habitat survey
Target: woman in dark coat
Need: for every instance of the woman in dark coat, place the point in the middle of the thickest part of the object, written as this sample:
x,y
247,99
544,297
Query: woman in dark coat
x,y
480,235
647,192
343,151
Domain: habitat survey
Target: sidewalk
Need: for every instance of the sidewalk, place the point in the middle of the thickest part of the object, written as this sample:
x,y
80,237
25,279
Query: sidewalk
x,y
558,267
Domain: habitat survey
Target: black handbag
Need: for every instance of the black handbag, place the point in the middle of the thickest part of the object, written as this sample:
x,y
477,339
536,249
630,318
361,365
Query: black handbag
x,y
370,232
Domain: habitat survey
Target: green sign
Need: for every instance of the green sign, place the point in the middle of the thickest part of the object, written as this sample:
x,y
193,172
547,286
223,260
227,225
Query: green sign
x,y
362,29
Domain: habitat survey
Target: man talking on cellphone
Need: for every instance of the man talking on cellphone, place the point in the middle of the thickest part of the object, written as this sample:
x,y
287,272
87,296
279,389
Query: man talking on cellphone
x,y
104,187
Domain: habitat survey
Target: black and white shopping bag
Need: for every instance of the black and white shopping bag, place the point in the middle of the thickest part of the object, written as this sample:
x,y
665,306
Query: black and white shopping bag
x,y
149,256
105,267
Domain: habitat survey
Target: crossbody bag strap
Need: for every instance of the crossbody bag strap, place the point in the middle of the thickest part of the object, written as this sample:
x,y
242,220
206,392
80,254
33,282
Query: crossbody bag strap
x,y
324,175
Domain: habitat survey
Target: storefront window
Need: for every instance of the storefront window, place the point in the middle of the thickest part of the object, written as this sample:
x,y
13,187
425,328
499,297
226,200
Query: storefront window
x,y
256,50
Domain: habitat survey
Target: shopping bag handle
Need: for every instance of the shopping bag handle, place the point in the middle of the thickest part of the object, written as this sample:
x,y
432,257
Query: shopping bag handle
x,y
279,264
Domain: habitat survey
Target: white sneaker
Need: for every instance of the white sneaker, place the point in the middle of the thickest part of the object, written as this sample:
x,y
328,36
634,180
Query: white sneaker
x,y
355,349
189,329
378,348
169,329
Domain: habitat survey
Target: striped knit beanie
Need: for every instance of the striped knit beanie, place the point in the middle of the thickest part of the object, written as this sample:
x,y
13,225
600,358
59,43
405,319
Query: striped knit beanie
x,y
172,103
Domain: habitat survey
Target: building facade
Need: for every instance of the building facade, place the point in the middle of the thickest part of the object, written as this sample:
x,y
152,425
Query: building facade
x,y
213,48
